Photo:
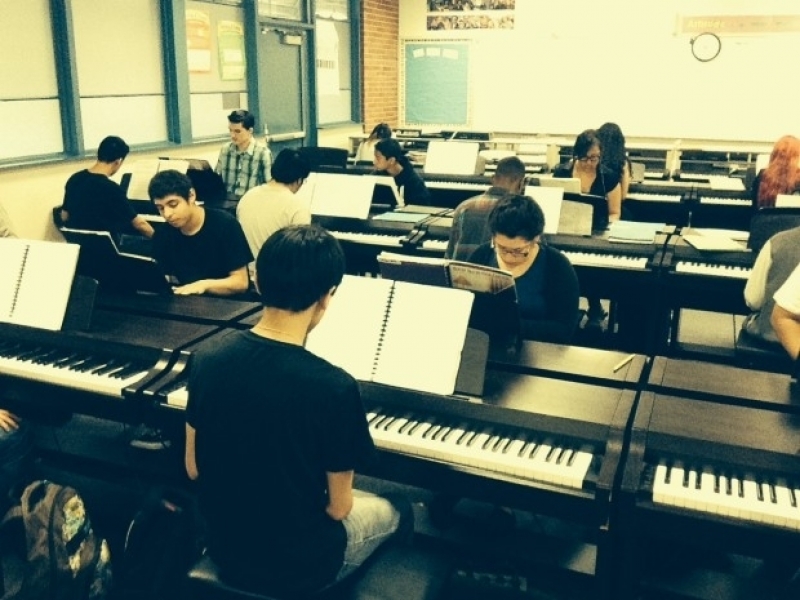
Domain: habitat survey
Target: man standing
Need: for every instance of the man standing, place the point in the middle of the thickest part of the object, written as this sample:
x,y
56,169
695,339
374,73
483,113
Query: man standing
x,y
266,208
204,249
470,227
92,201
276,429
243,163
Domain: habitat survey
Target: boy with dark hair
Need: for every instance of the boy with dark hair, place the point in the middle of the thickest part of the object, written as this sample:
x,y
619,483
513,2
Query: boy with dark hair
x,y
243,163
273,427
204,249
92,201
269,207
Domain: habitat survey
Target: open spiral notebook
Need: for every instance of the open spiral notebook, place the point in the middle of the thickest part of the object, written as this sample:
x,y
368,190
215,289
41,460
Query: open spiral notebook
x,y
395,333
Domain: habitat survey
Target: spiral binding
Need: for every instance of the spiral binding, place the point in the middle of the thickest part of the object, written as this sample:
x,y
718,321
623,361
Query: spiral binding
x,y
383,331
19,281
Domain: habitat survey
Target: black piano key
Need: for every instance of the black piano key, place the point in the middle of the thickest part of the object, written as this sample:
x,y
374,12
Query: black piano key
x,y
728,486
467,438
526,448
773,495
441,434
507,444
552,453
561,455
406,429
759,492
685,482
431,431
490,442
111,365
29,353
716,483
792,497
740,490
571,457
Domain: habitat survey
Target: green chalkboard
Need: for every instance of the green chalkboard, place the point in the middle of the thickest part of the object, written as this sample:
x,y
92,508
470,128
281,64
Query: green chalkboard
x,y
436,83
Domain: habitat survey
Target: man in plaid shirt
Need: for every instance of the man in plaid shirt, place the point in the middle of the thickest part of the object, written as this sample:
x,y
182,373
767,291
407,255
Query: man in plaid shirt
x,y
243,163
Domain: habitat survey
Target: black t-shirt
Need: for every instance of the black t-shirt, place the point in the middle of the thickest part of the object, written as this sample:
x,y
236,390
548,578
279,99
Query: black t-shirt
x,y
96,203
412,187
218,248
271,419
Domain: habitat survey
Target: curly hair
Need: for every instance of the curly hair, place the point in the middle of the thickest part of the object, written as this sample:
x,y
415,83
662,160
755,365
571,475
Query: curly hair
x,y
782,175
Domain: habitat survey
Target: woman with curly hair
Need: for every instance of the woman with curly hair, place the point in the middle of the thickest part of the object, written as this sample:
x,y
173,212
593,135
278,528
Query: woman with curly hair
x,y
782,174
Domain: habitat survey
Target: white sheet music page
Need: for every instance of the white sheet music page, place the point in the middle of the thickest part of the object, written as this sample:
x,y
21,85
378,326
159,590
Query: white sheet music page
x,y
12,253
142,172
46,282
423,338
340,195
550,200
349,332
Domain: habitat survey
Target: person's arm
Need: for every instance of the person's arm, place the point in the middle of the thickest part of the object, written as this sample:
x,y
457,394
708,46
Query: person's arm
x,y
266,164
189,457
614,199
756,286
562,295
8,421
340,494
237,282
142,225
625,181
787,328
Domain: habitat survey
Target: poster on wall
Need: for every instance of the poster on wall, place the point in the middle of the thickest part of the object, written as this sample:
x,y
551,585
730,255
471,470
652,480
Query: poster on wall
x,y
327,58
230,38
470,14
198,41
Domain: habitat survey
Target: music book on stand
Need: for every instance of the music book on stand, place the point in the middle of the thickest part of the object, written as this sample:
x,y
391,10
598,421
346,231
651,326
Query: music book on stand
x,y
35,282
395,333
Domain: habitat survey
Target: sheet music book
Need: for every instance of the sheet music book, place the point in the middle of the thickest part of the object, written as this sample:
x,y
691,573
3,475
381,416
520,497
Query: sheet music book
x,y
35,282
143,171
342,195
454,158
634,232
395,333
713,243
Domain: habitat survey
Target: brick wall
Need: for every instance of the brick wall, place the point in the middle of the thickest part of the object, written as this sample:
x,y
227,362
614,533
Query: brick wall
x,y
379,34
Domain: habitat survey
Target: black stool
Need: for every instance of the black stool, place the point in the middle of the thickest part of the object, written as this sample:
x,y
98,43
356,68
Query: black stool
x,y
396,572
755,353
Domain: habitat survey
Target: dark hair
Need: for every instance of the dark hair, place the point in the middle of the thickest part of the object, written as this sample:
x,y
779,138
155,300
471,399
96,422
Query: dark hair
x,y
584,142
289,166
244,117
516,216
169,182
612,146
391,148
381,131
112,148
510,168
297,265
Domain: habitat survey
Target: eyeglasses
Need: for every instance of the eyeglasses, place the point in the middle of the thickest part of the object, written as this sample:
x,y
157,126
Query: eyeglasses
x,y
593,159
521,252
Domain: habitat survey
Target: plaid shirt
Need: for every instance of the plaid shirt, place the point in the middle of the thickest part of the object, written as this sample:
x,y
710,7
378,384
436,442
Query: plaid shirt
x,y
242,171
471,224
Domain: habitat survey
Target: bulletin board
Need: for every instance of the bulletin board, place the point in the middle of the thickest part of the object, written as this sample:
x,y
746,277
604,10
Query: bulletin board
x,y
435,82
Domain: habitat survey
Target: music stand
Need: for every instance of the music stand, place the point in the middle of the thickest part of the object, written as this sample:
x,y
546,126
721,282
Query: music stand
x,y
114,270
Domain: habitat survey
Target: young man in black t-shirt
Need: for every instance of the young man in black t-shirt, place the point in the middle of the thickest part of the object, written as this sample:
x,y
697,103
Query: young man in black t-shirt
x,y
204,249
275,433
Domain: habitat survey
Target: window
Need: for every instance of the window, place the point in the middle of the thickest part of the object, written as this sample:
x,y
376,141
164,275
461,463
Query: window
x,y
281,9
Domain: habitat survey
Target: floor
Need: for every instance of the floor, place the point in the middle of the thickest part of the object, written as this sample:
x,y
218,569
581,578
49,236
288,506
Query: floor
x,y
492,560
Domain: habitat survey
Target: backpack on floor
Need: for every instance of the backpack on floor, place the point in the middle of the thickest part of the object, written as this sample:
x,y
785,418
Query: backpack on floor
x,y
62,558
164,539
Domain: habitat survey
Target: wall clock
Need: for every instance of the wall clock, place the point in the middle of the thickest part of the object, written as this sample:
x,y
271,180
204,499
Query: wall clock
x,y
706,46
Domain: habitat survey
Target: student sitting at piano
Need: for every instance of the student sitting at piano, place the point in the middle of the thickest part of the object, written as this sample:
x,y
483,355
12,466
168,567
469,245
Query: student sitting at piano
x,y
366,150
614,156
785,316
470,227
274,435
204,249
547,286
243,163
273,205
782,174
391,158
93,201
775,262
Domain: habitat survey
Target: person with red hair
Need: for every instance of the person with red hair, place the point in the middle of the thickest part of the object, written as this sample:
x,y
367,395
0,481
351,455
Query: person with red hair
x,y
782,174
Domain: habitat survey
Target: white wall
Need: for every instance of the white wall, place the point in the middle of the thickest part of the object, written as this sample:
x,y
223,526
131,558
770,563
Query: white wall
x,y
572,65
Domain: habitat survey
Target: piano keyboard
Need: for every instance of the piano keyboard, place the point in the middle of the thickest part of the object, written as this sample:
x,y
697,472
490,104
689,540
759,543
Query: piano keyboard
x,y
595,259
654,174
374,239
730,495
74,369
725,201
699,177
478,188
698,268
439,245
516,453
654,197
